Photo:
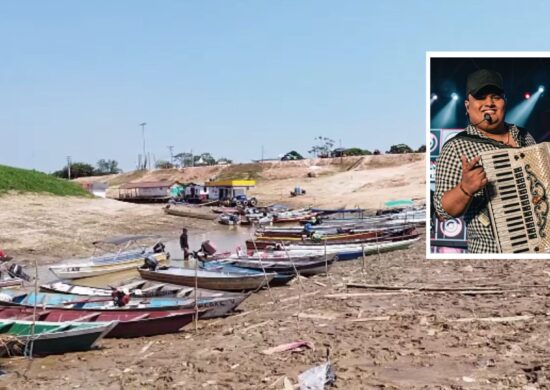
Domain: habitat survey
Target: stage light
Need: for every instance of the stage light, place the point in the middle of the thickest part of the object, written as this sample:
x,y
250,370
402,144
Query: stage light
x,y
446,116
434,96
520,114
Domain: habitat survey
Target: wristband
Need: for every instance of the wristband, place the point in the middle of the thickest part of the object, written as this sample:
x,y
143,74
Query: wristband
x,y
464,191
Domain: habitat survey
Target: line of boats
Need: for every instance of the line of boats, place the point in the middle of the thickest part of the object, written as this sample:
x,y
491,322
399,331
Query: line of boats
x,y
66,316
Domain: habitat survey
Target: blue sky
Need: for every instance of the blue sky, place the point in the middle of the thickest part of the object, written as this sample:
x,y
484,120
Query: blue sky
x,y
226,77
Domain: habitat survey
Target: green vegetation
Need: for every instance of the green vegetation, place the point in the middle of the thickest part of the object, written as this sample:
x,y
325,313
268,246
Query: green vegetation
x,y
23,180
81,169
292,155
400,149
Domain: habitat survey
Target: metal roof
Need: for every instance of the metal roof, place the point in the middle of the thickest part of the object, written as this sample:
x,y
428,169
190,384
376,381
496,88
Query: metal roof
x,y
147,184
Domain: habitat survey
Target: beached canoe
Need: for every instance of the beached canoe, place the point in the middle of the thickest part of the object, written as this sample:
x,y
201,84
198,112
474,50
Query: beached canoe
x,y
268,242
129,323
219,303
285,267
105,264
54,337
214,280
123,259
141,288
280,279
354,251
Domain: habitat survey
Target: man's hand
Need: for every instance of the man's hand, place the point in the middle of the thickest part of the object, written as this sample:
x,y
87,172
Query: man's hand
x,y
473,177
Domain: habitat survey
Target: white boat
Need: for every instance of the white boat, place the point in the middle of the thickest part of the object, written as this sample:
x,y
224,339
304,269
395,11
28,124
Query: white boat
x,y
123,260
351,251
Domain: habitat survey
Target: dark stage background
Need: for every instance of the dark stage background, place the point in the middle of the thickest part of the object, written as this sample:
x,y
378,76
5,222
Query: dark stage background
x,y
447,76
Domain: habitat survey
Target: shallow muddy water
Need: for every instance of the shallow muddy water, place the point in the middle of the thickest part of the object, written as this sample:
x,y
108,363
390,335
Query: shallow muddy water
x,y
223,240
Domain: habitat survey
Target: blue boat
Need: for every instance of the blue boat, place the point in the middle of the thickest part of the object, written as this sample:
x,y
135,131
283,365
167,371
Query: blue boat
x,y
219,303
280,279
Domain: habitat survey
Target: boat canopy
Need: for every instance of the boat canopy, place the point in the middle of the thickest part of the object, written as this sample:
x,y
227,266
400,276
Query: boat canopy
x,y
399,202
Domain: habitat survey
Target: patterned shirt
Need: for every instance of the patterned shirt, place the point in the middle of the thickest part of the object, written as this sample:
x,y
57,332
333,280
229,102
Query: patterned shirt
x,y
448,174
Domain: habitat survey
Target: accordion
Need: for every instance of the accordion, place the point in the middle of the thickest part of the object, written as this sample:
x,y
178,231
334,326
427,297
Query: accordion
x,y
517,190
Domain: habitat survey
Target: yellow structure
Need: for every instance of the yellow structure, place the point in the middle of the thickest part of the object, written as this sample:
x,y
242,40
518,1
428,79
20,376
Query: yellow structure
x,y
228,189
231,183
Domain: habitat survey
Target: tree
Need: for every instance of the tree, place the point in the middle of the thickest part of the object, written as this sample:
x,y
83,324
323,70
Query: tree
x,y
107,167
421,149
292,155
376,152
78,169
204,159
323,148
185,159
162,164
400,149
357,152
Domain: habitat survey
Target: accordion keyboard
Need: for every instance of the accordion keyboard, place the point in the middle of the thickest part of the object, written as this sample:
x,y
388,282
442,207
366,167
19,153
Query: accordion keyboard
x,y
518,205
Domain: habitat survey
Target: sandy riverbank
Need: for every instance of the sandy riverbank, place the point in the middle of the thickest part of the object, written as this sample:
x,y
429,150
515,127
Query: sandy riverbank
x,y
49,228
376,338
496,338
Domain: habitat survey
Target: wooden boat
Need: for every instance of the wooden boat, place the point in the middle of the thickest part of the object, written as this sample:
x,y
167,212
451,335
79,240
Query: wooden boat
x,y
285,267
11,282
295,218
354,251
226,210
270,242
329,228
280,279
189,212
324,237
230,219
141,288
208,279
54,337
257,219
124,259
219,303
128,323
84,270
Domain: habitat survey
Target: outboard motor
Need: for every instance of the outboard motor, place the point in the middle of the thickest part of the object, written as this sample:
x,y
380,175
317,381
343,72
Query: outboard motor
x,y
16,271
150,263
159,247
120,298
207,248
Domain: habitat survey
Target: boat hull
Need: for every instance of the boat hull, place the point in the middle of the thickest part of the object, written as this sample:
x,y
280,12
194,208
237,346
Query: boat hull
x,y
54,338
240,283
130,324
86,270
218,303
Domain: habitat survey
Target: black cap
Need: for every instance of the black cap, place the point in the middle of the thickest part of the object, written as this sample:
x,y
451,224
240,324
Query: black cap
x,y
484,78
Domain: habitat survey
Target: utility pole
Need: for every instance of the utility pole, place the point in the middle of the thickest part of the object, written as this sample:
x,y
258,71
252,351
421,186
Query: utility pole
x,y
171,149
69,167
143,138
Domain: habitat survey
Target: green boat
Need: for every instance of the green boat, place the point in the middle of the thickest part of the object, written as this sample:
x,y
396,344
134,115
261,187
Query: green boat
x,y
55,337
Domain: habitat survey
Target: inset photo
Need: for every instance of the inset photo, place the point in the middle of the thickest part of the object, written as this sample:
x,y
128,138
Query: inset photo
x,y
488,127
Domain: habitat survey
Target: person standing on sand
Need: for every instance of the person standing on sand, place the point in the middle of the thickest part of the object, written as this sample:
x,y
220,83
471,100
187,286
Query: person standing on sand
x,y
184,244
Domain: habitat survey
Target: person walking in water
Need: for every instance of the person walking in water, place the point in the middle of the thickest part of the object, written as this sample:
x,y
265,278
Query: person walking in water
x,y
184,244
